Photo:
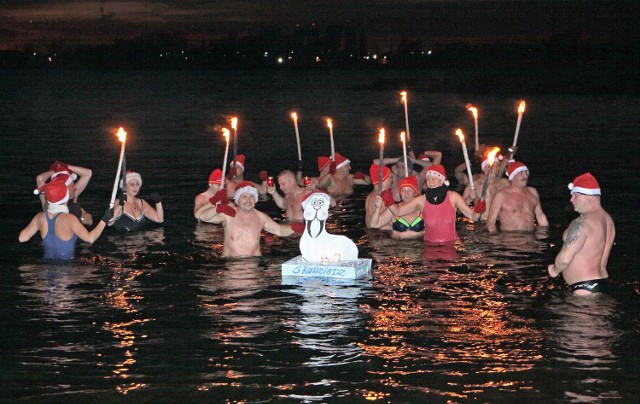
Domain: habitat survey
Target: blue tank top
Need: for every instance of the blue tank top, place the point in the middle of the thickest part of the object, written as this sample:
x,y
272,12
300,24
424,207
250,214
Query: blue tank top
x,y
54,247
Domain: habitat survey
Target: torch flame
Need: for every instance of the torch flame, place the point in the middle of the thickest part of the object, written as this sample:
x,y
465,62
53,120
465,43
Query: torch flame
x,y
122,135
329,123
381,137
492,155
294,116
234,122
404,96
225,133
460,135
521,107
474,111
402,134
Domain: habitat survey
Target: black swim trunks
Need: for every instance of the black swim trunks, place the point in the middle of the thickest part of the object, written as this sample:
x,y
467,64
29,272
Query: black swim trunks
x,y
593,286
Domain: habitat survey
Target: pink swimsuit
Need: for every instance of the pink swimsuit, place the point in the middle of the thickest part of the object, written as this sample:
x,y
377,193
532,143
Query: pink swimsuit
x,y
439,221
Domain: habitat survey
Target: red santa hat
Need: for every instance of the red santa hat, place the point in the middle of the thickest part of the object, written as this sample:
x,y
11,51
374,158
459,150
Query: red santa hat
x,y
410,182
423,157
132,175
239,160
341,160
245,186
317,194
323,162
585,184
64,173
374,173
215,177
55,191
514,168
438,171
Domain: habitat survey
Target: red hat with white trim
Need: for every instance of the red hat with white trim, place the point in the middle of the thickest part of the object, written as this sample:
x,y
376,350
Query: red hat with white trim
x,y
240,160
215,177
55,191
323,162
410,182
341,160
316,194
514,168
438,171
63,172
585,184
374,173
423,157
245,186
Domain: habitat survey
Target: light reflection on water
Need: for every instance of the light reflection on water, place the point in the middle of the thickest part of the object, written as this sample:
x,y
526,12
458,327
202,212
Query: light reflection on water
x,y
159,314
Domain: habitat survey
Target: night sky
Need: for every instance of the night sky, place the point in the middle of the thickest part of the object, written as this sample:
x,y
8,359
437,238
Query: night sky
x,y
68,22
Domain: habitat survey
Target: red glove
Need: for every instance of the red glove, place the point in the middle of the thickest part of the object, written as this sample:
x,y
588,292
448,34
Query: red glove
x,y
481,206
332,167
359,175
387,197
220,196
298,227
226,209
263,175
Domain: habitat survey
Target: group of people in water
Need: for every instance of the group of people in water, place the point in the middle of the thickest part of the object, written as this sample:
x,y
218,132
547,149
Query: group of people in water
x,y
411,198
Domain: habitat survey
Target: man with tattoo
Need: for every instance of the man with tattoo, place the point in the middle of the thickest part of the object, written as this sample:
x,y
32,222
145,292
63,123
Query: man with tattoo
x,y
516,206
582,261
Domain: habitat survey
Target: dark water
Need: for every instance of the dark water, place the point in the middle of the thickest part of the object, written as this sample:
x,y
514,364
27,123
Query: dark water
x,y
159,316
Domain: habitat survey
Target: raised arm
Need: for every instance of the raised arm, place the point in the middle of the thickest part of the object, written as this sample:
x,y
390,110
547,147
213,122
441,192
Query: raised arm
x,y
282,230
84,175
277,198
380,216
459,204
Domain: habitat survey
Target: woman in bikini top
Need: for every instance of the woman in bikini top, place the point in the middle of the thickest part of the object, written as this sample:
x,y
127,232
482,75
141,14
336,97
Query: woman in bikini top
x,y
133,213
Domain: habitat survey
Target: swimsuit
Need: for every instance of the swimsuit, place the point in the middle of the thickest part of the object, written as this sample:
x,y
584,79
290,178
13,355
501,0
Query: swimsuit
x,y
126,222
439,221
401,224
54,247
593,286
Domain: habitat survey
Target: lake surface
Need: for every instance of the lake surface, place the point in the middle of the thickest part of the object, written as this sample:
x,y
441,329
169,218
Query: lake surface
x,y
159,316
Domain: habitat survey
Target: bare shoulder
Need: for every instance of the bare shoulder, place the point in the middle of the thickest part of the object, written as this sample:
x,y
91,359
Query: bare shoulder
x,y
575,230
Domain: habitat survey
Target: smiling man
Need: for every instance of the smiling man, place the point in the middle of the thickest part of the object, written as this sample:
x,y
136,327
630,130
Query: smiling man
x,y
243,223
517,206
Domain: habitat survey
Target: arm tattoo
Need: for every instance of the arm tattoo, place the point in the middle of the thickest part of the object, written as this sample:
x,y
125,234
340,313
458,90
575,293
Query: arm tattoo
x,y
574,230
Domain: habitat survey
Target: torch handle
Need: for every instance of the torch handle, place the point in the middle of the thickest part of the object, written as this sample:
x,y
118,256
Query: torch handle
x,y
115,182
485,186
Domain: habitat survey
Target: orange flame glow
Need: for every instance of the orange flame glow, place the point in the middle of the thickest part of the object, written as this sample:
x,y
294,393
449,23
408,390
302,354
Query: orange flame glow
x,y
381,137
329,123
460,135
234,122
122,135
492,155
404,96
474,111
521,107
294,116
225,133
402,135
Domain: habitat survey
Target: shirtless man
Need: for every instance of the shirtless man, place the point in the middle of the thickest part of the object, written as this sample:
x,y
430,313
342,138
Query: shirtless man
x,y
341,182
58,228
243,224
291,203
516,206
203,198
582,261
236,176
496,183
